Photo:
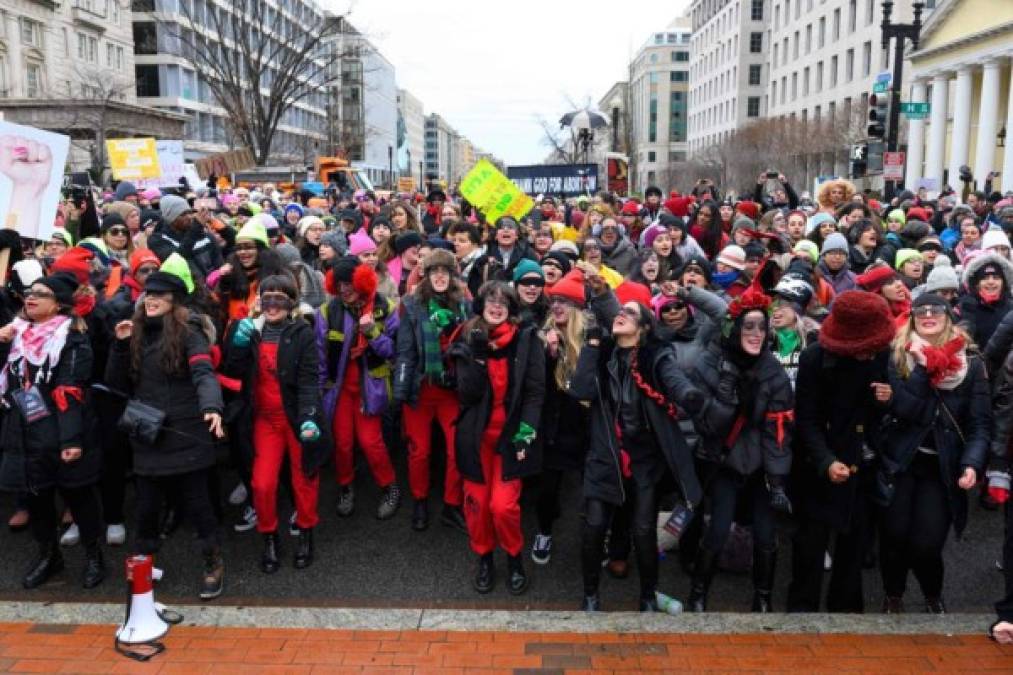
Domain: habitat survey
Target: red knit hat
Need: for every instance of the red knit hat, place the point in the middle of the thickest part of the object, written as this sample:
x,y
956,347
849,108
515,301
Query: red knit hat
x,y
77,261
141,256
859,323
875,278
631,208
631,290
570,287
749,209
917,213
678,206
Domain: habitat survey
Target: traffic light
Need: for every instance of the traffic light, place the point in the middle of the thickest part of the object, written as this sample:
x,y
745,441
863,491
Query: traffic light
x,y
878,114
859,155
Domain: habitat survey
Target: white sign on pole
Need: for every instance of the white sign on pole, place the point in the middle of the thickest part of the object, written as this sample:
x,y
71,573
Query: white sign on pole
x,y
31,175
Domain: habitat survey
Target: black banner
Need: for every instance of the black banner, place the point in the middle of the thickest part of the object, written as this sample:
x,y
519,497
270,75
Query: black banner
x,y
566,180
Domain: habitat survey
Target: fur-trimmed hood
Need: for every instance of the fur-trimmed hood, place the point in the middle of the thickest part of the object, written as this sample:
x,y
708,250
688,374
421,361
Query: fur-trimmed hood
x,y
974,263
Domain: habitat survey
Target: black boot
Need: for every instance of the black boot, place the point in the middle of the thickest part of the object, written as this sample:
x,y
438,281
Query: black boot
x,y
304,549
169,523
485,578
764,564
269,562
48,562
94,566
213,575
517,581
453,516
420,515
703,573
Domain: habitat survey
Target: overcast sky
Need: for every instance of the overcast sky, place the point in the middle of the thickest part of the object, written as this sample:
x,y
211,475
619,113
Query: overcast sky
x,y
491,69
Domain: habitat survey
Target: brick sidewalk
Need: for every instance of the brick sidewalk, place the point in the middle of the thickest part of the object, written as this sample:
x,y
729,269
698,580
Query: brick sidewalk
x,y
26,647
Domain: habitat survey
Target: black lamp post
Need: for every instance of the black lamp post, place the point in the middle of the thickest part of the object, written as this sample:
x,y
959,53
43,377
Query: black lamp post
x,y
900,31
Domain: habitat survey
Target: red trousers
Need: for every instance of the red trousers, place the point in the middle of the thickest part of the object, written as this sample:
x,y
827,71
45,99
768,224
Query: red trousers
x,y
492,509
351,425
272,440
440,404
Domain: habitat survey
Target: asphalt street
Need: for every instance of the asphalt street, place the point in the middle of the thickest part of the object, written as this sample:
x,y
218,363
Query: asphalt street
x,y
361,561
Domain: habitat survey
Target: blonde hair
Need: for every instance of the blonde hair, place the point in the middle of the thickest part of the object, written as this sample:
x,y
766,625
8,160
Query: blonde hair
x,y
900,342
571,340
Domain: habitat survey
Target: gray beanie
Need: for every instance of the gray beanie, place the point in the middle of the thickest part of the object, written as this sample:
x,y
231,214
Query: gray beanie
x,y
336,240
125,189
172,207
835,242
942,277
288,253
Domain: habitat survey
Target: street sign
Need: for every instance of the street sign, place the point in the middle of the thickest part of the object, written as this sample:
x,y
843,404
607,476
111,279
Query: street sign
x,y
859,151
885,76
893,166
880,87
912,108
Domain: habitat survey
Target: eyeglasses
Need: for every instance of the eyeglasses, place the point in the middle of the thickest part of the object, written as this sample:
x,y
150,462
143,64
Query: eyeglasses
x,y
249,246
42,295
673,307
924,311
630,313
144,271
754,327
275,301
118,231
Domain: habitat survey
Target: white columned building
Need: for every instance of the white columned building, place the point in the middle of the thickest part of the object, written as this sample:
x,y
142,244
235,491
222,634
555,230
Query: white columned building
x,y
964,68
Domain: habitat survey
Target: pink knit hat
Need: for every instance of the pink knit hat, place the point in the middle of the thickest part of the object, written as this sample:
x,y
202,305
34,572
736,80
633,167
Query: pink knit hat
x,y
360,242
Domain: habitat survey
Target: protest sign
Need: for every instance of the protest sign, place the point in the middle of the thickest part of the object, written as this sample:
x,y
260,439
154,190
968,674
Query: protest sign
x,y
171,164
31,174
133,158
494,194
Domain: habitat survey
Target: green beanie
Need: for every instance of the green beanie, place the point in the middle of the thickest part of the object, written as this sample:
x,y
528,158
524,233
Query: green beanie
x,y
527,266
906,255
897,215
254,230
809,248
177,266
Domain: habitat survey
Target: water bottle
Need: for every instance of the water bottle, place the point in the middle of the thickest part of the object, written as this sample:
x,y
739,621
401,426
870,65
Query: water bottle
x,y
667,603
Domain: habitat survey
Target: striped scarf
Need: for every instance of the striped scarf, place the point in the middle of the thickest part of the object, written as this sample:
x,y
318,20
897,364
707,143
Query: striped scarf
x,y
438,320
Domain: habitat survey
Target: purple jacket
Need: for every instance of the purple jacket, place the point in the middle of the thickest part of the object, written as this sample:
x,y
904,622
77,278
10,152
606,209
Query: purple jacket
x,y
375,362
843,280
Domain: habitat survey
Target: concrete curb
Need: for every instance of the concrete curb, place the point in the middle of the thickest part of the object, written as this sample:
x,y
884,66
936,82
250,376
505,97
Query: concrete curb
x,y
510,621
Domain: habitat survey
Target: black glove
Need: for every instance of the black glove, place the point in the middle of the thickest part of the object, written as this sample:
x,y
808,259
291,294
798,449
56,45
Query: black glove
x,y
728,380
693,400
479,342
594,333
778,498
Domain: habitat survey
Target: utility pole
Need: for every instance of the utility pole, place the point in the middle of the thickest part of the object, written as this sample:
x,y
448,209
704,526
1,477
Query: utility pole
x,y
900,31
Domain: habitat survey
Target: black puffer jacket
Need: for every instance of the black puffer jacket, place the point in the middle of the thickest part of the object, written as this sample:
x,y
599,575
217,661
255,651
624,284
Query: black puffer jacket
x,y
596,380
297,369
918,409
409,369
31,452
185,443
194,244
524,399
760,429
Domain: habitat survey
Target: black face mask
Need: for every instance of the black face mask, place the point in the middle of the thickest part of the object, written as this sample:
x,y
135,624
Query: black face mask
x,y
533,281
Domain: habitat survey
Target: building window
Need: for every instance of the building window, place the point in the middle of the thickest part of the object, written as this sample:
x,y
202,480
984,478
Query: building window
x,y
677,120
652,78
33,79
5,87
794,85
756,43
808,38
852,15
866,59
31,33
147,80
753,106
756,10
755,71
870,12
833,72
821,37
652,127
678,76
87,48
805,82
849,65
836,35
651,156
680,56
819,77
794,53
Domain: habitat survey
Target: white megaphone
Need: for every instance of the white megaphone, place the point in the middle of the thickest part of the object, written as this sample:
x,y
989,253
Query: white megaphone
x,y
144,622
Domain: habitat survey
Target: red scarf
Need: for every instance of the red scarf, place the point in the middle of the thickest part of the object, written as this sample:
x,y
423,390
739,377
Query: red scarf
x,y
989,298
502,335
84,304
436,213
945,361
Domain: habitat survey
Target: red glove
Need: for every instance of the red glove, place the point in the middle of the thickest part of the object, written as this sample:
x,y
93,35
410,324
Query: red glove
x,y
626,466
998,485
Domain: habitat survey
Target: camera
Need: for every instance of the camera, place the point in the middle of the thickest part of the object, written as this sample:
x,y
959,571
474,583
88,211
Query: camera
x,y
772,174
965,173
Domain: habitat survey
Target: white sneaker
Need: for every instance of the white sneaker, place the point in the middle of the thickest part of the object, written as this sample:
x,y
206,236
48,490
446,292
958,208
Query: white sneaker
x,y
238,495
828,562
247,521
71,537
116,534
541,551
293,529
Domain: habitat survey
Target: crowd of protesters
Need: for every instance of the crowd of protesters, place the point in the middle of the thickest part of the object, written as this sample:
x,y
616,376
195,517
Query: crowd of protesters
x,y
838,361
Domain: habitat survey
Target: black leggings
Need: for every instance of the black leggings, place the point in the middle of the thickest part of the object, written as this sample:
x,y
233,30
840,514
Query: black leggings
x,y
726,488
914,529
116,458
597,516
194,499
547,504
83,504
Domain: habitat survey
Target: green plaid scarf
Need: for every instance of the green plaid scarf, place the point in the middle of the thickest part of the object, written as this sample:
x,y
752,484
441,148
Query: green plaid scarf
x,y
438,320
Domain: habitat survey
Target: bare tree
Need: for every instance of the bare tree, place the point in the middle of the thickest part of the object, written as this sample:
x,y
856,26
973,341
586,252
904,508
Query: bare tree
x,y
259,62
94,120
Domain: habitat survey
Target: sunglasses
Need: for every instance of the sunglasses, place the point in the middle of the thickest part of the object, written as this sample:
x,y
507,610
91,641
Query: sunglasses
x,y
146,270
275,301
532,281
673,307
630,313
42,295
245,247
754,327
118,231
924,311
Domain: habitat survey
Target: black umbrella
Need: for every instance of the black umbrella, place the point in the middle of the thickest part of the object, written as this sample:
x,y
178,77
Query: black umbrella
x,y
583,119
